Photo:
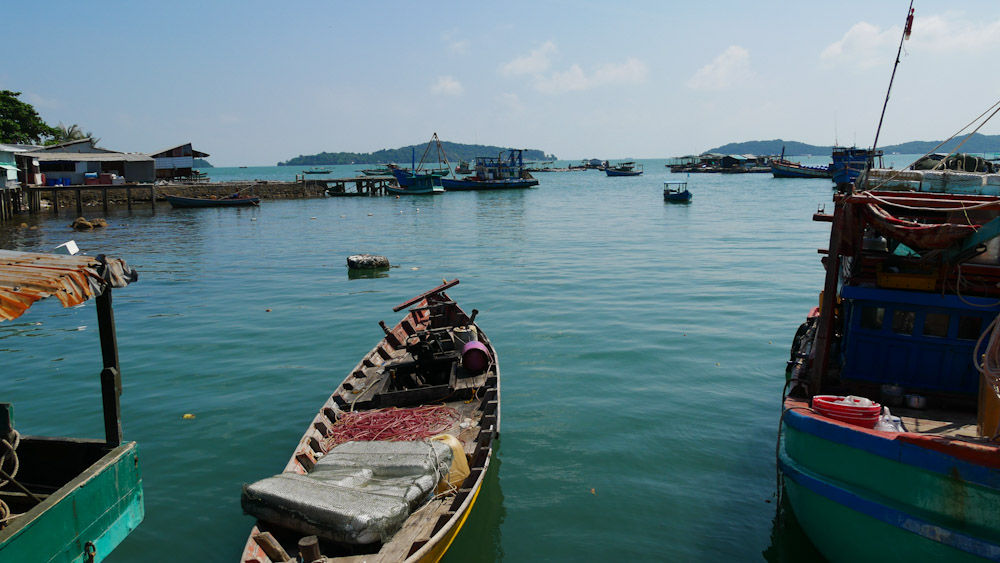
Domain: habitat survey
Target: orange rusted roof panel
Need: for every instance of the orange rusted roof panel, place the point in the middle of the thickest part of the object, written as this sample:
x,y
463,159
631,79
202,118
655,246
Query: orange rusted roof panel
x,y
26,277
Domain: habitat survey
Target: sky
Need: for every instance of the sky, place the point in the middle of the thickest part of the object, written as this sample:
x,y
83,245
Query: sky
x,y
253,83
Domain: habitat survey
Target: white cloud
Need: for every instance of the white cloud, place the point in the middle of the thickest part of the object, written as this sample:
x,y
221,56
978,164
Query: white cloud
x,y
729,69
447,86
510,104
460,46
632,71
863,46
40,102
535,62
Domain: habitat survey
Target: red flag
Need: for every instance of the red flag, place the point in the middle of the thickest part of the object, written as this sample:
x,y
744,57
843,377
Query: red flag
x,y
909,25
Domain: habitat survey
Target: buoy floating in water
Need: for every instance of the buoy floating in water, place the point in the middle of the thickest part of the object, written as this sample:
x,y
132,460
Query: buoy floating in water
x,y
187,416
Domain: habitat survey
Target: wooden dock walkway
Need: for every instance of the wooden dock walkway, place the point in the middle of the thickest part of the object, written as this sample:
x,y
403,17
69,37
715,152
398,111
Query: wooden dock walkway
x,y
34,195
345,187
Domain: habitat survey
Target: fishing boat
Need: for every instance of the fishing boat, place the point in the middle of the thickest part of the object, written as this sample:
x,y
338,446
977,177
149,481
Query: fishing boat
x,y
787,169
67,499
317,171
406,177
889,428
502,172
627,168
385,170
464,167
390,467
849,162
234,200
413,182
676,191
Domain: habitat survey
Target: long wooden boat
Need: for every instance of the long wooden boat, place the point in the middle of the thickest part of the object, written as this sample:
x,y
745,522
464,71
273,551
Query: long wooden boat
x,y
502,172
67,499
908,317
179,201
437,374
628,168
787,169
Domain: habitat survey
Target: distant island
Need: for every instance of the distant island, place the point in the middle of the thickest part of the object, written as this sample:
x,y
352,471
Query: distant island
x,y
455,152
201,163
976,144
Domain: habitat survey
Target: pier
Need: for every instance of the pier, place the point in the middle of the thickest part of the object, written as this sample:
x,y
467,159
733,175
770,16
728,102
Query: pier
x,y
33,194
345,187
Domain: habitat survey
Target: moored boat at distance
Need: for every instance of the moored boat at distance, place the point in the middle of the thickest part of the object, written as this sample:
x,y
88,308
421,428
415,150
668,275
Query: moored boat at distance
x,y
782,168
67,499
676,191
234,200
849,162
494,173
625,168
908,321
317,171
391,466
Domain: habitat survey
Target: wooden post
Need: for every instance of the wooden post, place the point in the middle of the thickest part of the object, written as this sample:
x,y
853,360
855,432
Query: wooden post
x,y
104,197
824,337
111,380
309,549
152,196
79,202
271,547
55,202
128,197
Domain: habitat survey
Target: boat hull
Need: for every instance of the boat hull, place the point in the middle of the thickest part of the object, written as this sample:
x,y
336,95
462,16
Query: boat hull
x,y
99,507
792,170
184,202
613,172
677,197
874,496
468,185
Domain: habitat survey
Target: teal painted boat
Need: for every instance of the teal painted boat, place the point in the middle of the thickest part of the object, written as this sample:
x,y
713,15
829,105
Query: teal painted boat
x,y
911,297
67,499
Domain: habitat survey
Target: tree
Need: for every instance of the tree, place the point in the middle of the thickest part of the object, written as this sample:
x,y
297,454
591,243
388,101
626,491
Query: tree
x,y
19,122
65,134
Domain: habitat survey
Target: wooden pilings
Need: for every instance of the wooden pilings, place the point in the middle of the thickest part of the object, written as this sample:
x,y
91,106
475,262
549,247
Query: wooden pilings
x,y
341,187
34,195
10,202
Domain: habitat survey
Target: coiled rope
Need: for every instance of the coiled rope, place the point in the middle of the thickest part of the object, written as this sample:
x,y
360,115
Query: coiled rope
x,y
988,363
9,448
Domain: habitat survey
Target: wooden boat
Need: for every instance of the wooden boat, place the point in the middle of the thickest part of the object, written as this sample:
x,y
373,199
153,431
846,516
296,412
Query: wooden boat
x,y
849,162
179,201
317,171
464,167
627,168
436,359
676,192
502,172
67,499
907,316
782,168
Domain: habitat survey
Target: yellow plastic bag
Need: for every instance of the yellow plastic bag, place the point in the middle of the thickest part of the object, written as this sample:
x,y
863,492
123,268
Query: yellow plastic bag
x,y
459,469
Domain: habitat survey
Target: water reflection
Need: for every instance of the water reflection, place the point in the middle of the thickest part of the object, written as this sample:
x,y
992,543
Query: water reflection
x,y
789,543
480,538
367,274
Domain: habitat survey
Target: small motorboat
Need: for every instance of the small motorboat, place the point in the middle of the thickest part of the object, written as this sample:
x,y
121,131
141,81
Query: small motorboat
x,y
676,192
231,201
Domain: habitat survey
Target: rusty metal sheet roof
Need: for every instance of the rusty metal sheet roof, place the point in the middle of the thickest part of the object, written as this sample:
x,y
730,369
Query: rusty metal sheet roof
x,y
26,277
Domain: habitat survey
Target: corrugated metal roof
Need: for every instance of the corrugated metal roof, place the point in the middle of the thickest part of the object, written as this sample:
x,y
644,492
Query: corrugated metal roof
x,y
92,156
26,277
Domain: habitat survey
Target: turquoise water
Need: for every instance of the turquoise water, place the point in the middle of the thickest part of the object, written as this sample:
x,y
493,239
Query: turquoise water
x,y
642,348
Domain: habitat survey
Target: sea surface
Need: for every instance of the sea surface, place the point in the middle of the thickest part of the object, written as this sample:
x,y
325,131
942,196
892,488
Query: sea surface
x,y
642,348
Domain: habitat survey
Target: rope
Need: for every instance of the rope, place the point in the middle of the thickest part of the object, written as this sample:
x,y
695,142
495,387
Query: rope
x,y
5,513
988,363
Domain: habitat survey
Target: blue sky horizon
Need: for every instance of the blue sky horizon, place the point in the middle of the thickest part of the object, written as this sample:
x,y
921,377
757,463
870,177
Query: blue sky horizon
x,y
254,83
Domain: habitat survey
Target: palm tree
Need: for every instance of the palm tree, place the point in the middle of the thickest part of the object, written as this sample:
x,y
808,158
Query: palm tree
x,y
66,134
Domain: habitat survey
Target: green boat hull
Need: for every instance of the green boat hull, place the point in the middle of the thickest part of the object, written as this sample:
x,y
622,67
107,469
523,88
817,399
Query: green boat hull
x,y
87,517
870,496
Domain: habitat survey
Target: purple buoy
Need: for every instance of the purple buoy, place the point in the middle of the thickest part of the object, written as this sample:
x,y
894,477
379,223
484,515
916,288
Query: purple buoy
x,y
475,357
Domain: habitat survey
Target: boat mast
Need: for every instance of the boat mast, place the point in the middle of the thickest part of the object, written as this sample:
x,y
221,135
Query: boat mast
x,y
905,36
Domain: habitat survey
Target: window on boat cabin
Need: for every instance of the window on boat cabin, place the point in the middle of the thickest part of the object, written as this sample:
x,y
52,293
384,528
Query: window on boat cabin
x,y
936,324
903,321
969,328
871,317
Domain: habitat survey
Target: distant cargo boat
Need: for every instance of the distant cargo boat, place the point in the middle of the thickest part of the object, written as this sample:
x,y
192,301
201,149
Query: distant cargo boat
x,y
849,162
627,168
494,173
316,171
179,201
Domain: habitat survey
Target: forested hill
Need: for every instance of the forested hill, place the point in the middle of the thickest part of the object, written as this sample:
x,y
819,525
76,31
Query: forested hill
x,y
402,155
976,144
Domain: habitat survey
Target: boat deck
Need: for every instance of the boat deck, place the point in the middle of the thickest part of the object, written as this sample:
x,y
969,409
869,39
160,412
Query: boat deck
x,y
949,423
